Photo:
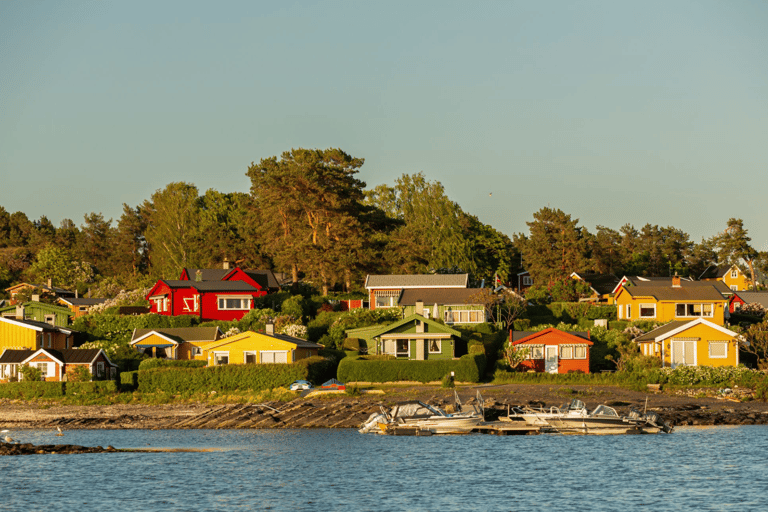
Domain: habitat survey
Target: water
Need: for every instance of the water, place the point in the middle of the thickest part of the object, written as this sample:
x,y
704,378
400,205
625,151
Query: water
x,y
719,469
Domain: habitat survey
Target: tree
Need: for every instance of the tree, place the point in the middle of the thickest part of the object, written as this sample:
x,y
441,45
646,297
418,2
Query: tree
x,y
172,235
555,248
503,306
130,241
308,206
605,249
61,267
96,242
732,247
755,341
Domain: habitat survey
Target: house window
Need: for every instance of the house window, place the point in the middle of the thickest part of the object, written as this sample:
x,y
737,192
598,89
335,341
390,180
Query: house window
x,y
527,281
401,348
43,367
386,298
274,356
566,352
629,311
734,274
220,358
250,357
100,369
50,340
734,288
718,349
695,310
50,319
580,352
240,303
535,351
434,346
647,310
464,317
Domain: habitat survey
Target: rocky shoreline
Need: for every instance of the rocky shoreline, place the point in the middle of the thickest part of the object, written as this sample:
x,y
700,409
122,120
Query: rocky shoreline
x,y
344,411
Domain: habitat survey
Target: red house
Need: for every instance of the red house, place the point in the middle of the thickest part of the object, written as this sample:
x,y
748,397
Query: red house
x,y
211,294
553,350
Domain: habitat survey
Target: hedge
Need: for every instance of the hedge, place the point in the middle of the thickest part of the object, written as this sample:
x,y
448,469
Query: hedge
x,y
97,387
233,377
30,390
149,364
129,381
468,368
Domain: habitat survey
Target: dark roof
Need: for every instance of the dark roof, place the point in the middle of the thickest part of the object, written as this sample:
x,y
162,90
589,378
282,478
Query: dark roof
x,y
15,356
298,341
440,296
601,283
417,281
754,297
715,271
671,326
212,286
688,290
182,334
265,278
75,355
208,274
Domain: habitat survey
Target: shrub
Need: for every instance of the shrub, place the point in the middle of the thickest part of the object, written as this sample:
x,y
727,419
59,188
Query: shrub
x,y
31,373
149,364
468,368
447,381
99,387
81,373
129,381
31,389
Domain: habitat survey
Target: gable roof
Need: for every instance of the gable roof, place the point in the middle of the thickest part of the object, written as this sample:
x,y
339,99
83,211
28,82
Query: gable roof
x,y
206,274
678,326
400,281
716,271
179,334
754,297
81,301
71,355
439,328
51,289
440,296
602,284
208,286
54,308
300,343
551,336
10,356
688,290
265,278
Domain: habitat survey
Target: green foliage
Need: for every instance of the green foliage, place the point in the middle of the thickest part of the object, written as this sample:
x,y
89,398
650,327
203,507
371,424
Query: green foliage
x,y
469,368
81,373
99,387
29,390
447,381
149,364
295,306
359,318
318,326
271,301
129,381
31,373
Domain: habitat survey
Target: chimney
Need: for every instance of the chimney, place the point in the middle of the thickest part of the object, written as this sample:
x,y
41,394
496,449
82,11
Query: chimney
x,y
35,298
20,312
50,283
225,264
420,307
198,275
270,328
675,281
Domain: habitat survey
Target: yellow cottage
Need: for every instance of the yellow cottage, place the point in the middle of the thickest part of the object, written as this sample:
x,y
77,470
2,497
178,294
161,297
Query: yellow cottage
x,y
256,347
174,342
691,343
732,276
683,300
33,335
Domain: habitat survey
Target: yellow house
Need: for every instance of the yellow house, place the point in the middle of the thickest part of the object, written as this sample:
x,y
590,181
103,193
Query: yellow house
x,y
662,302
256,347
731,275
691,343
18,334
174,342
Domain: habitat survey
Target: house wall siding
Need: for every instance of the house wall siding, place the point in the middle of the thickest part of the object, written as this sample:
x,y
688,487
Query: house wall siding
x,y
705,334
666,310
17,337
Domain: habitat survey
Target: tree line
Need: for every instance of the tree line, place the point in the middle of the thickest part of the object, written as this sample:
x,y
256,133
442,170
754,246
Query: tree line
x,y
309,216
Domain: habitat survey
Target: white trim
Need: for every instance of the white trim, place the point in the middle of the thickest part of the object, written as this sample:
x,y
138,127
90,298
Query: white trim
x,y
646,305
416,336
690,324
439,349
169,340
15,322
216,353
273,352
709,348
39,351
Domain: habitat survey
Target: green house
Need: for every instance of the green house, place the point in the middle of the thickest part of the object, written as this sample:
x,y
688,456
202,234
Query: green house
x,y
39,311
415,337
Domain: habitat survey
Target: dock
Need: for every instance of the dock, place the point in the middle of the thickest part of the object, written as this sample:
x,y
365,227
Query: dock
x,y
506,428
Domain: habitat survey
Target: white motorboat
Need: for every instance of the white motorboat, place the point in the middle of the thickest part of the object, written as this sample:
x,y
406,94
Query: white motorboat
x,y
418,418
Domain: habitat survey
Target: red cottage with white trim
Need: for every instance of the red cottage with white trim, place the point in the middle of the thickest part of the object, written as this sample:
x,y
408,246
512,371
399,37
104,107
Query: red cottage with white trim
x,y
553,350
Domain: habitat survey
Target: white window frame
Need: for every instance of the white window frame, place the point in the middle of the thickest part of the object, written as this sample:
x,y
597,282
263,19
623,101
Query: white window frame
x,y
407,353
272,352
191,304
217,354
629,311
254,353
734,274
566,352
245,302
527,281
724,343
464,316
43,367
647,305
439,346
582,349
734,287
690,305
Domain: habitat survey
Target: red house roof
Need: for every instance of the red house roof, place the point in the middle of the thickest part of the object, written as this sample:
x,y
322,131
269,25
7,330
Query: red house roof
x,y
550,336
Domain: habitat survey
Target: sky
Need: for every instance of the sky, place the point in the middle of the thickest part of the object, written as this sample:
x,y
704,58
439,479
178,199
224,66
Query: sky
x,y
613,112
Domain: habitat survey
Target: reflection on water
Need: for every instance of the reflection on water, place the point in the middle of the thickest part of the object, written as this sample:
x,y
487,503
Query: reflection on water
x,y
692,469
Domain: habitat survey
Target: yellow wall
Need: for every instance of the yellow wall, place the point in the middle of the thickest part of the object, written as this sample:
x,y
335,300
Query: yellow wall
x,y
16,337
252,342
705,334
666,310
742,282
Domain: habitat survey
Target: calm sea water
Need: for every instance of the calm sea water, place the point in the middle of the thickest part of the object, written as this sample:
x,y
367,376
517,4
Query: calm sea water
x,y
693,469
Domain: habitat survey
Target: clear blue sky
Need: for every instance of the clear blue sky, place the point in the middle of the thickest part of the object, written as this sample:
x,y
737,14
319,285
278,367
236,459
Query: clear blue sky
x,y
615,112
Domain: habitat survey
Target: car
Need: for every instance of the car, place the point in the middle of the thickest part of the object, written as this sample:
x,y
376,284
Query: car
x,y
301,385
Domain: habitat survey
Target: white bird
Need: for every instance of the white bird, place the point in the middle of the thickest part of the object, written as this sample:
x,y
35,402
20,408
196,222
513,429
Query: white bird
x,y
60,432
8,439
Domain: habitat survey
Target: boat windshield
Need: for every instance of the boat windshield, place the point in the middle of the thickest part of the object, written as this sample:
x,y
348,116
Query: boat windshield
x,y
413,409
604,410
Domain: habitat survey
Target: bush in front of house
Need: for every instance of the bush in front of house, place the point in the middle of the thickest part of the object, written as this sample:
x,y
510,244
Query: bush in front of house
x,y
150,364
129,381
468,368
31,390
224,378
97,387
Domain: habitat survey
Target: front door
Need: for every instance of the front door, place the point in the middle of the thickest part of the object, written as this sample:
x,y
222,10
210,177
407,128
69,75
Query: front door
x,y
550,361
683,353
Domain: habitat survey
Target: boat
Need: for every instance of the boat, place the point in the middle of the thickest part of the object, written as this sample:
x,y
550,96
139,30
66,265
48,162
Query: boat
x,y
540,417
573,418
418,418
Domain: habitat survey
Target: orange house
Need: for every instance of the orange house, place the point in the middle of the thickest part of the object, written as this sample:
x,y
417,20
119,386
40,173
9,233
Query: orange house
x,y
731,275
553,350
